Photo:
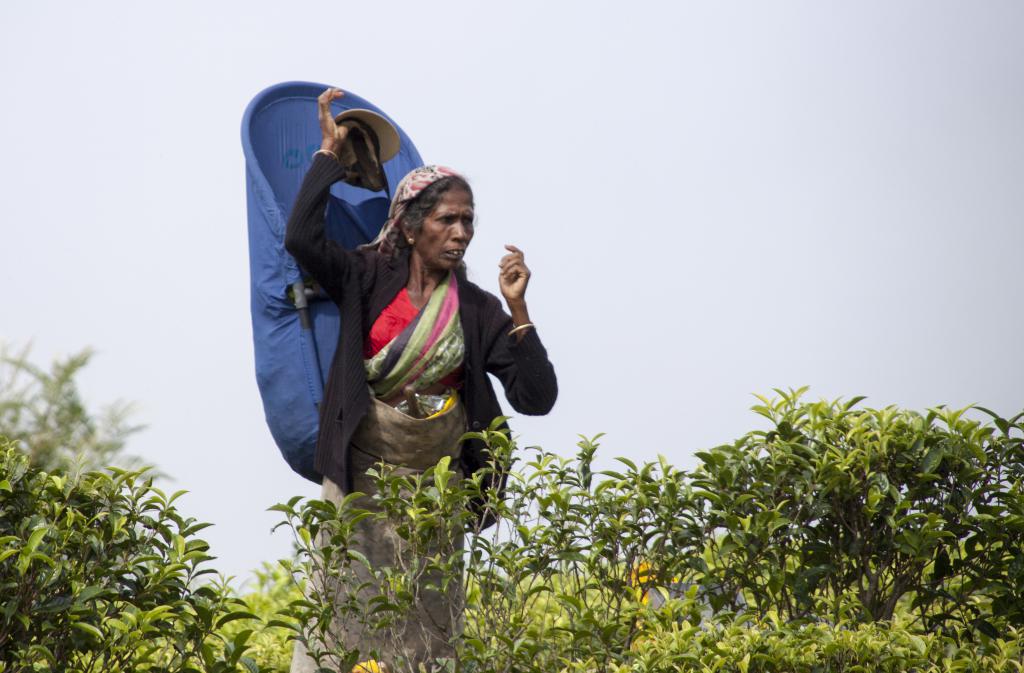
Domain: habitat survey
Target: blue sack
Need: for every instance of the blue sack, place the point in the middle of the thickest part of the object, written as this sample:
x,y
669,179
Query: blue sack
x,y
293,344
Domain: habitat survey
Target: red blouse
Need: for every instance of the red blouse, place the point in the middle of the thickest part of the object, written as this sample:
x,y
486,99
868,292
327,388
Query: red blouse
x,y
390,323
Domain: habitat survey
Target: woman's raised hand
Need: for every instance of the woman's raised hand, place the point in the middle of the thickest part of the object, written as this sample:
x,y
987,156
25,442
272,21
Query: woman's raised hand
x,y
514,275
333,135
512,279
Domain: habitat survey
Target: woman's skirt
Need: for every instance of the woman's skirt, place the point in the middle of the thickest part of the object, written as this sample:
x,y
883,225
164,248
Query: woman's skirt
x,y
411,446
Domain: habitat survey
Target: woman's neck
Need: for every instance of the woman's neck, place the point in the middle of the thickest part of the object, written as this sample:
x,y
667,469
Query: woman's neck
x,y
422,281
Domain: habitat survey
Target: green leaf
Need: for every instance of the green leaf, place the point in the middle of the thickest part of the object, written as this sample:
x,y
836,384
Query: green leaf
x,y
238,644
627,462
942,565
986,627
230,617
571,601
34,539
358,556
854,401
284,624
88,593
932,459
89,630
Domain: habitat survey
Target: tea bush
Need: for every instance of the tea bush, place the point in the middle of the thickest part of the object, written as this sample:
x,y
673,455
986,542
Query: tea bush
x,y
267,648
842,513
770,646
839,539
100,572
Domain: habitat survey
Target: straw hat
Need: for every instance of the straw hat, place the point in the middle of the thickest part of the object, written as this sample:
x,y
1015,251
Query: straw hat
x,y
387,136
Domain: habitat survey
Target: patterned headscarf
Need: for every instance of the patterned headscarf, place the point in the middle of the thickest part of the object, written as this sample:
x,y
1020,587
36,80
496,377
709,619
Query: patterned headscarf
x,y
408,189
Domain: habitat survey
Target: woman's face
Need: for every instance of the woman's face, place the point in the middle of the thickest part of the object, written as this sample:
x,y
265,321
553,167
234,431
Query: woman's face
x,y
446,232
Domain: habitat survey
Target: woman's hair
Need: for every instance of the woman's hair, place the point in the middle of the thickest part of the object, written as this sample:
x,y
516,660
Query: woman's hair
x,y
417,210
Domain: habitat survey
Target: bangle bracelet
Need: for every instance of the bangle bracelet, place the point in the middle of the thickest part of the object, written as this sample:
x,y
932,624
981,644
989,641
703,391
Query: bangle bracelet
x,y
521,327
327,153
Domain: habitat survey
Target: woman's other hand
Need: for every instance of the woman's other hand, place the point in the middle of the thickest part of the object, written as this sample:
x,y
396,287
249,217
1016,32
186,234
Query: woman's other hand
x,y
512,279
514,275
333,135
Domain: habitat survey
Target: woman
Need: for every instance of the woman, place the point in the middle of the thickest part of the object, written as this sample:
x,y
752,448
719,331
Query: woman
x,y
409,376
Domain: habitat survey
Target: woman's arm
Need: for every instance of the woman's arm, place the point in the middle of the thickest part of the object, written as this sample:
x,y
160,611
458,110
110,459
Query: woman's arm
x,y
515,354
513,278
521,364
325,259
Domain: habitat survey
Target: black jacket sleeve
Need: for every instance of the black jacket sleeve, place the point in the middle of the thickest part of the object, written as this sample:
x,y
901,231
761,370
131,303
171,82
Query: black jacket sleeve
x,y
522,366
326,260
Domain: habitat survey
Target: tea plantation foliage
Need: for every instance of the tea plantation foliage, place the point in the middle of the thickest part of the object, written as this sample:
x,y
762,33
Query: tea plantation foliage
x,y
839,539
43,410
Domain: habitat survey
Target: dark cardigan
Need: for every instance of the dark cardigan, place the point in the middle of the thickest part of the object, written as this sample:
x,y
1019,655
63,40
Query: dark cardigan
x,y
362,283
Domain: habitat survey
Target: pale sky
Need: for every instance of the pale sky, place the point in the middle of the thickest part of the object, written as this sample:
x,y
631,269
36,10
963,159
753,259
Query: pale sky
x,y
715,199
